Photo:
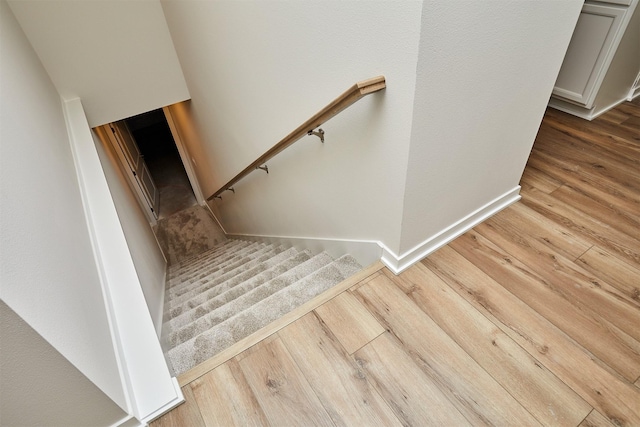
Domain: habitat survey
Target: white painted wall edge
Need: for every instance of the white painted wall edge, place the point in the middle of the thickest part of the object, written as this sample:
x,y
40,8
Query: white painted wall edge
x,y
185,156
366,252
160,313
129,421
145,376
169,406
398,263
93,235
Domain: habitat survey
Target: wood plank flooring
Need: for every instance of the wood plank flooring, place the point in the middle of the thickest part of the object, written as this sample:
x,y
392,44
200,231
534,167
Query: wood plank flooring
x,y
532,318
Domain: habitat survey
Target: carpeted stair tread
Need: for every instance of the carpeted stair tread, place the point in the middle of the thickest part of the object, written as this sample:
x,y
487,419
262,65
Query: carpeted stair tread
x,y
231,290
219,265
257,275
210,272
246,300
207,263
176,273
228,247
211,281
219,248
208,343
220,259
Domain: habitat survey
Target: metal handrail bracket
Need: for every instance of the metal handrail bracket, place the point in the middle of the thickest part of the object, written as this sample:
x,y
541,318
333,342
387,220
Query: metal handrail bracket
x,y
349,97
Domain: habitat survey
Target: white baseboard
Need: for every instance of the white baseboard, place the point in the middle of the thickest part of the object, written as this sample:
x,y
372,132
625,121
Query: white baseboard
x,y
369,251
576,110
398,263
179,399
599,111
366,252
584,113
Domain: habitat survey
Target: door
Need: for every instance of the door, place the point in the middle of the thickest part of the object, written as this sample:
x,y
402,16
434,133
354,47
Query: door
x,y
129,152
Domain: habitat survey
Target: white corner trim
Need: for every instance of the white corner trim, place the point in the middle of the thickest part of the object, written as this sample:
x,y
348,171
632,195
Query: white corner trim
x,y
128,421
144,376
160,313
131,421
184,155
179,399
398,263
86,190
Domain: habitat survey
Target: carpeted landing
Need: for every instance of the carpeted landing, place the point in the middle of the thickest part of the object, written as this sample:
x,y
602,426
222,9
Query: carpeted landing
x,y
228,292
188,233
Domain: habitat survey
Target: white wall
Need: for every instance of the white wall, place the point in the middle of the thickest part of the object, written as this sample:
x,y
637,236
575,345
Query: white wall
x,y
40,387
117,56
485,74
182,117
48,275
147,257
256,70
467,84
144,370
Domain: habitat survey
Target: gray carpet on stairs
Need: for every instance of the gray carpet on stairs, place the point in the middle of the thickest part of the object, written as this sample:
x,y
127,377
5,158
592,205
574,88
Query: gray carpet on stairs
x,y
220,290
187,233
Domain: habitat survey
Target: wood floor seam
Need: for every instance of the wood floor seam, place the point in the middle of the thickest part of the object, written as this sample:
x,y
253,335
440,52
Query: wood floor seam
x,y
530,318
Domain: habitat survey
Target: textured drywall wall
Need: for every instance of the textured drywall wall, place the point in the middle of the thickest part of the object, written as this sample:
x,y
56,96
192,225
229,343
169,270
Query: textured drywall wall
x,y
49,275
256,70
40,387
485,74
145,251
117,56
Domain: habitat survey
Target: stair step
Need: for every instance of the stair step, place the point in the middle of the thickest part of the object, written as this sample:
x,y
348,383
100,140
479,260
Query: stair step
x,y
214,259
208,343
210,282
231,290
257,273
245,301
177,271
220,248
223,263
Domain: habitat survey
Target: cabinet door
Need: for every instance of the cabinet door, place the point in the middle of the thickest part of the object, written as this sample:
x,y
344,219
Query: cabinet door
x,y
589,54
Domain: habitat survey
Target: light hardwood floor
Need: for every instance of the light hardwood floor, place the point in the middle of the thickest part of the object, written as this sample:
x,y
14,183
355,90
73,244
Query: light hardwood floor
x,y
531,318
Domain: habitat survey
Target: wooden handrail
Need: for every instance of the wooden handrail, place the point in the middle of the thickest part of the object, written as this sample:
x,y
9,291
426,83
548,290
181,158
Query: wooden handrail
x,y
353,94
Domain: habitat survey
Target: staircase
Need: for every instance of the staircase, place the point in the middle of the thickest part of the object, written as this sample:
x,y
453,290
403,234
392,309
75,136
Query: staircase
x,y
228,292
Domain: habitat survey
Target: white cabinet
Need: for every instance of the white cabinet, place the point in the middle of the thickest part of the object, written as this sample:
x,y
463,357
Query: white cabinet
x,y
589,52
597,36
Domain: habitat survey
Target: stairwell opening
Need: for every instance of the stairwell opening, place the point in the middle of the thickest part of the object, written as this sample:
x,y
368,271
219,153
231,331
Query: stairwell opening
x,y
155,141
